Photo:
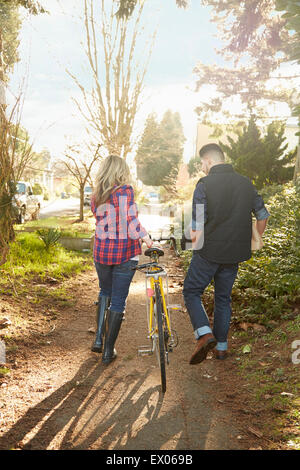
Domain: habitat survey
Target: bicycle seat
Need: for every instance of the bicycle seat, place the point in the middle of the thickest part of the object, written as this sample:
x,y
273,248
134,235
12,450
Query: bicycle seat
x,y
154,250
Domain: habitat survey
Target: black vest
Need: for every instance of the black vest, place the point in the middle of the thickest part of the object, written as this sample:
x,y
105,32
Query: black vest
x,y
228,230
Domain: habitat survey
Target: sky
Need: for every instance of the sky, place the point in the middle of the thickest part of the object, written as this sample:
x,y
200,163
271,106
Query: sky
x,y
50,44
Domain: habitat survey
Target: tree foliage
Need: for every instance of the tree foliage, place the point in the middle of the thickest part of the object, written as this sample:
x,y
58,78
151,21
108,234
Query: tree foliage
x,y
10,24
256,42
160,149
126,7
291,9
262,158
250,27
194,166
14,151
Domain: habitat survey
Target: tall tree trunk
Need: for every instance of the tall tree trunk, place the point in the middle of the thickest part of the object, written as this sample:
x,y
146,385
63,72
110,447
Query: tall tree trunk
x,y
81,217
6,225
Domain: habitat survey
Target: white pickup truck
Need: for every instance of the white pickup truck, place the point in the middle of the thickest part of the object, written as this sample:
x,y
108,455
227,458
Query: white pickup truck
x,y
87,195
26,204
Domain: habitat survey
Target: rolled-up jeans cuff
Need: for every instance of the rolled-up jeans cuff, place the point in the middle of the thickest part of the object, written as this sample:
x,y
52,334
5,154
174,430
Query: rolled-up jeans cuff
x,y
222,346
202,331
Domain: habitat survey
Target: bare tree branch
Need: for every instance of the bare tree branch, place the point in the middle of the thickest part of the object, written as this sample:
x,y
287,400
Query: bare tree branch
x,y
110,107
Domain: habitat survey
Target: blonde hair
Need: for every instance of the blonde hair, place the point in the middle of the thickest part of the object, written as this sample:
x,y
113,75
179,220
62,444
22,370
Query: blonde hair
x,y
113,171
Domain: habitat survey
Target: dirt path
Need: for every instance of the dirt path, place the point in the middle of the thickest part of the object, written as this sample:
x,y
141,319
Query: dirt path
x,y
59,396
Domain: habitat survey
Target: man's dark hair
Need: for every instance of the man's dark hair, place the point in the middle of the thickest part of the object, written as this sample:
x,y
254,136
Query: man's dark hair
x,y
211,148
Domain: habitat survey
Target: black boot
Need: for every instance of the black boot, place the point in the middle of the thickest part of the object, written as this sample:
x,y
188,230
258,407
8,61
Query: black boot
x,y
112,328
102,306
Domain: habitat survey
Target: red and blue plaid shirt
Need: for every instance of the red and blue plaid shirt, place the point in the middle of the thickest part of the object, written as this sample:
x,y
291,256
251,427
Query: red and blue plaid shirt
x,y
118,230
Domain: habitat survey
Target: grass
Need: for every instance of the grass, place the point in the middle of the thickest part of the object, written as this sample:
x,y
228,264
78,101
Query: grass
x,y
274,379
67,225
4,371
28,259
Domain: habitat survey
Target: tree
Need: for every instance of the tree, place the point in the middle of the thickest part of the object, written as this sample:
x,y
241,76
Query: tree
x,y
79,163
126,7
261,158
148,152
292,17
10,118
15,146
10,24
110,107
252,30
194,165
160,150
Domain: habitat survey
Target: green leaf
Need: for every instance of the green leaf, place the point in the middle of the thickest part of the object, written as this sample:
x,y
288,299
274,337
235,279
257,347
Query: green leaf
x,y
247,349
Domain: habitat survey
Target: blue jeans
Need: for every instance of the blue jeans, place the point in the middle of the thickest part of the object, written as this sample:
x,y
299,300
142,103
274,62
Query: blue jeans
x,y
114,282
200,273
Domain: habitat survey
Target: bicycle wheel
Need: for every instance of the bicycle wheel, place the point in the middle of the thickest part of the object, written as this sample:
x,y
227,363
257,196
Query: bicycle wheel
x,y
161,340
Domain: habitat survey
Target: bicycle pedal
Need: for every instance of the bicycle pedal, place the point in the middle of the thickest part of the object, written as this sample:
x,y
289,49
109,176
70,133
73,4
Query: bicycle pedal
x,y
144,351
175,306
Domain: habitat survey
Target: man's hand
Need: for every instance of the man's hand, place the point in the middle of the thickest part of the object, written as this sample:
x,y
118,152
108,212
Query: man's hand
x,y
197,240
261,226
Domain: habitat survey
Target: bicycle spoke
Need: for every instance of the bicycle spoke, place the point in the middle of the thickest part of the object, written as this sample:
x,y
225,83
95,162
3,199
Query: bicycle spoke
x,y
161,340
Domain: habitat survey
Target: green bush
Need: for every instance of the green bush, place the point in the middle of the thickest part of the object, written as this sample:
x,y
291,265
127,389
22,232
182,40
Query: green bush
x,y
37,189
49,236
269,283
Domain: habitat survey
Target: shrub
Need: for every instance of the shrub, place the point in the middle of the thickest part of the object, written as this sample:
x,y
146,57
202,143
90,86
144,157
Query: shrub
x,y
49,236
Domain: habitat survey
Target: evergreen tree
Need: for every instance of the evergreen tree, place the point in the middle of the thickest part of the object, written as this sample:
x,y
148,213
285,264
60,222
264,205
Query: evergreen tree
x,y
261,158
160,150
194,165
148,152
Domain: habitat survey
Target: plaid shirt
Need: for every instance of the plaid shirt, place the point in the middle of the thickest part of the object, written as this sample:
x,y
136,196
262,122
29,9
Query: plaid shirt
x,y
118,230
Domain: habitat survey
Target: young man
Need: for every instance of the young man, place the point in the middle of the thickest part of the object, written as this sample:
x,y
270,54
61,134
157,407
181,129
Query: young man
x,y
225,201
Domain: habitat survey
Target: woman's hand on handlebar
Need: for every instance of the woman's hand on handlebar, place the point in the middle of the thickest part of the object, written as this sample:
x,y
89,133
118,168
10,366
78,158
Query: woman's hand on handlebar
x,y
148,241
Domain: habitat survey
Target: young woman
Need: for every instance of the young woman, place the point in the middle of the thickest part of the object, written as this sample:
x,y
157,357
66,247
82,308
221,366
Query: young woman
x,y
117,246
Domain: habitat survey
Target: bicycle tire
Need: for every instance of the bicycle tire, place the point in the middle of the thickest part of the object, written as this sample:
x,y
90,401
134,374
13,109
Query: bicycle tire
x,y
161,339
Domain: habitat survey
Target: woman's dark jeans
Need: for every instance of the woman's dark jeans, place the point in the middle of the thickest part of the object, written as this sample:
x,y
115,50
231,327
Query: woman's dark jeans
x,y
200,273
114,282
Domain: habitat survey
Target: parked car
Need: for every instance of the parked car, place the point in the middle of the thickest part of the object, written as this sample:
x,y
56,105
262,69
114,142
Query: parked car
x,y
87,193
25,203
153,197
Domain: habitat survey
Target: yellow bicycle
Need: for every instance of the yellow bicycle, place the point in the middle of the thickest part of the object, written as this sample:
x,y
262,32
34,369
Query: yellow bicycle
x,y
163,338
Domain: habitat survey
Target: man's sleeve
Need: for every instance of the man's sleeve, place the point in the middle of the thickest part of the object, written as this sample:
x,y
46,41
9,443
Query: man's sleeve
x,y
259,210
199,211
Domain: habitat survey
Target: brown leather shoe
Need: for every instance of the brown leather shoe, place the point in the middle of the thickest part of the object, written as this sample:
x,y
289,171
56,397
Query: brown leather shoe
x,y
204,344
221,354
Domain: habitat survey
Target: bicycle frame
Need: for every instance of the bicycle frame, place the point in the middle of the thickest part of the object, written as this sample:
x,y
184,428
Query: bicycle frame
x,y
157,279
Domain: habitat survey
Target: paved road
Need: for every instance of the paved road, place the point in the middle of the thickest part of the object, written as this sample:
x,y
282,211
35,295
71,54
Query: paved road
x,y
150,216
60,208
